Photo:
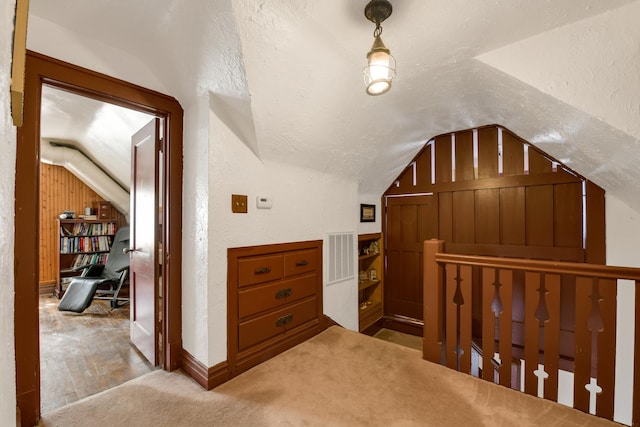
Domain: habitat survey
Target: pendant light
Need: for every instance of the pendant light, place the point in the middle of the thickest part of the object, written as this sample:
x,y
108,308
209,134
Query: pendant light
x,y
381,66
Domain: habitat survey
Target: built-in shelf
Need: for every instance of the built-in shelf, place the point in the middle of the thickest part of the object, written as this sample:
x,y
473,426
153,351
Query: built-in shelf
x,y
81,242
371,282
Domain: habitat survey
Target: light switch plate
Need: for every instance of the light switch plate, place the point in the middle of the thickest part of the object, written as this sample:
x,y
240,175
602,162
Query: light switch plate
x,y
239,203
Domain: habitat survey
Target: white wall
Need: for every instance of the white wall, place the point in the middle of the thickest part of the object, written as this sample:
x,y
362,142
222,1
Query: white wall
x,y
623,238
53,40
592,66
307,204
370,199
7,185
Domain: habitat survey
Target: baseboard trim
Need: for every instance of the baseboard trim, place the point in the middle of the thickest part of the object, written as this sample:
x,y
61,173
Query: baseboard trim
x,y
208,378
403,324
212,377
47,288
373,328
327,322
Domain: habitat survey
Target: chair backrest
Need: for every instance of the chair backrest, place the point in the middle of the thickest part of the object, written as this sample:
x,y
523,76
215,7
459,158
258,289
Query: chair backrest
x,y
117,258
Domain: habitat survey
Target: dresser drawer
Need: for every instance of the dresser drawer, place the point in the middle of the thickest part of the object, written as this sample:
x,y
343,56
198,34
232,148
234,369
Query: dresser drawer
x,y
259,269
275,323
269,296
299,262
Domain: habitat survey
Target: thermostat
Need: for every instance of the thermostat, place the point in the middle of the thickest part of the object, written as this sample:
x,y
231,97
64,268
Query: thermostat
x,y
264,202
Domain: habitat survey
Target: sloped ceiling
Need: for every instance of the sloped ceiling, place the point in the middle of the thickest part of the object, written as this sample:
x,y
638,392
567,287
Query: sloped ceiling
x,y
286,75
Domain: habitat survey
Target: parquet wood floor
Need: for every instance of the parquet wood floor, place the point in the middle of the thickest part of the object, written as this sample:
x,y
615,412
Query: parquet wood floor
x,y
83,354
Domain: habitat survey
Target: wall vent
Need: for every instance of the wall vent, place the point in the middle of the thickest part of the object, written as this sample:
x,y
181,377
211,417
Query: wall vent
x,y
340,258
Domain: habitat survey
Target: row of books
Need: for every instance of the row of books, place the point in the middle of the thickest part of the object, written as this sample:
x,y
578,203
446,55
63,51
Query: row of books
x,y
88,229
85,259
70,245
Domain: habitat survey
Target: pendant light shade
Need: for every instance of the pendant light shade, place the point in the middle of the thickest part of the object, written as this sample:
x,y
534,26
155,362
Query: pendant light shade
x,y
381,65
380,70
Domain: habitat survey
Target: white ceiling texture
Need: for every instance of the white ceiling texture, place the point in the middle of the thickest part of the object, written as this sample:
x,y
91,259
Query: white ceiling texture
x,y
286,75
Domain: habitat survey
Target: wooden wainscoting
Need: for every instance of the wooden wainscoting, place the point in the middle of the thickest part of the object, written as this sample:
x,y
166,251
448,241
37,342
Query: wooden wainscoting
x,y
60,190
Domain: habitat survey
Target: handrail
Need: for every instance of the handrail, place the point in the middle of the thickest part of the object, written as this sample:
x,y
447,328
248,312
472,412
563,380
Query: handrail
x,y
452,281
554,267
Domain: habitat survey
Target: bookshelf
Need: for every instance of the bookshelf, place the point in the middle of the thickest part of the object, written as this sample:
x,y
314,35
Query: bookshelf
x,y
370,279
82,242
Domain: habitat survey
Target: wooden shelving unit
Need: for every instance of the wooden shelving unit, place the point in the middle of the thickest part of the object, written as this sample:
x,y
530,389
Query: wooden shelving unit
x,y
370,279
81,242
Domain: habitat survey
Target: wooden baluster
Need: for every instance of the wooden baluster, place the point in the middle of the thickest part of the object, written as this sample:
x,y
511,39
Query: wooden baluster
x,y
531,330
582,372
595,325
451,322
606,348
552,336
496,325
466,283
505,323
636,376
491,309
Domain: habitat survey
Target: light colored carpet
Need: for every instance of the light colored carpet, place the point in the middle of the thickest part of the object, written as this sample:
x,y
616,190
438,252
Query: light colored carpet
x,y
338,378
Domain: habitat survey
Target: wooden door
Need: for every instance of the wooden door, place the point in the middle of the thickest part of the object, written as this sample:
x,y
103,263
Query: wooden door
x,y
410,221
145,147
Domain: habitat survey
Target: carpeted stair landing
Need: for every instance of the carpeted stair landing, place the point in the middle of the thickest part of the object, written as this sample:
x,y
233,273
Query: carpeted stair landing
x,y
338,378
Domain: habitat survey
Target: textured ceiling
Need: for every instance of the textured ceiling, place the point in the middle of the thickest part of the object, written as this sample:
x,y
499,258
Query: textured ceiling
x,y
286,75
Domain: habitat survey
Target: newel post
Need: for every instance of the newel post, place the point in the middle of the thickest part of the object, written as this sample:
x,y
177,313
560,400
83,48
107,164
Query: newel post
x,y
432,287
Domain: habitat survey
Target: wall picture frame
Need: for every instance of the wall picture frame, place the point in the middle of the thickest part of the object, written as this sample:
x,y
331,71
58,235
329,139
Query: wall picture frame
x,y
367,213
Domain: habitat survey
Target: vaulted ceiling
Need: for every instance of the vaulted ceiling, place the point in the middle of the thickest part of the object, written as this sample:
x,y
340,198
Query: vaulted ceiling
x,y
286,76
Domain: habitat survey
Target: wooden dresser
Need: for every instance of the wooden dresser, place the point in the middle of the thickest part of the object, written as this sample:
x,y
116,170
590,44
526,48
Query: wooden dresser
x,y
274,300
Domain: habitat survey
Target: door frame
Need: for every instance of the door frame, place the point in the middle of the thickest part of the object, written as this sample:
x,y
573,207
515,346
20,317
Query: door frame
x,y
40,70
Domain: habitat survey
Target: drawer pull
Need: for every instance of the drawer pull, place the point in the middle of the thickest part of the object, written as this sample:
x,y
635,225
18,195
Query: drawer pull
x,y
283,293
263,270
284,320
302,263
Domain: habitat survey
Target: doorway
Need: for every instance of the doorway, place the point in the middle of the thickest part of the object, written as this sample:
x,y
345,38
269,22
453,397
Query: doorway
x,y
85,161
44,70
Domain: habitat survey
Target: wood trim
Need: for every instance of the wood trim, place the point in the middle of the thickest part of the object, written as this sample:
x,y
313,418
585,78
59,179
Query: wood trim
x,y
402,324
370,236
531,210
635,420
61,190
42,69
240,361
19,48
432,339
507,182
373,328
595,320
551,267
208,378
326,322
596,248
47,288
533,252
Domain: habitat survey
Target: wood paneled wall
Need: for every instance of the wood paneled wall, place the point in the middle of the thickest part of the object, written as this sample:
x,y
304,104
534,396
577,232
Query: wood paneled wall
x,y
60,190
488,192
